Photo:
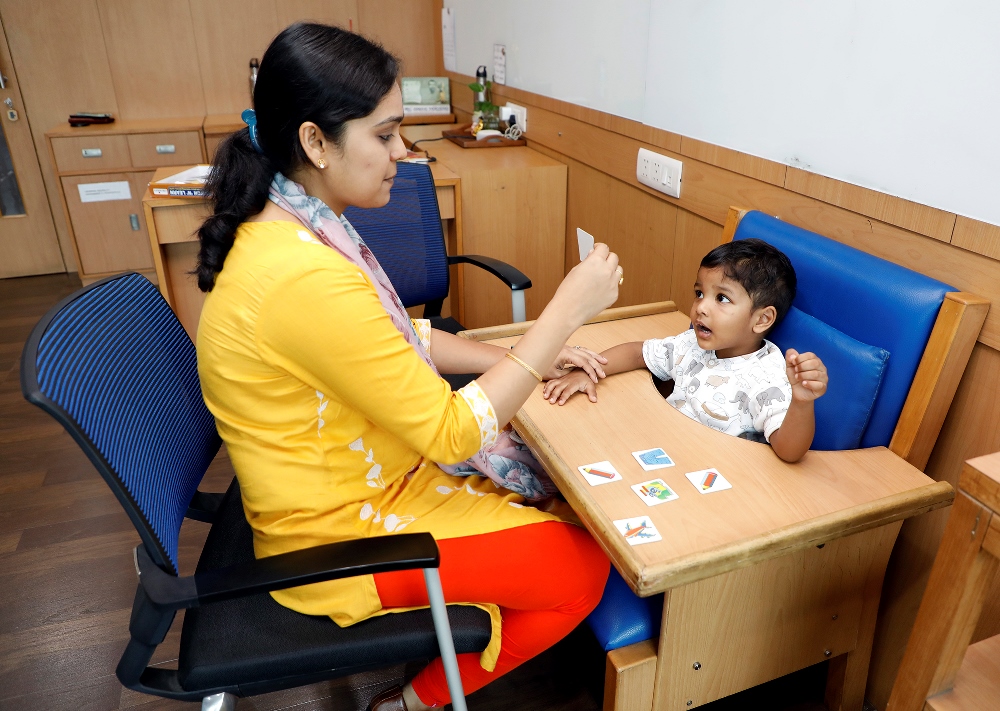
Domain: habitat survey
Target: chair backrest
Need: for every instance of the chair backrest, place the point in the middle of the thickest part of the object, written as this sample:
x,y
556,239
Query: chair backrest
x,y
115,367
406,236
870,299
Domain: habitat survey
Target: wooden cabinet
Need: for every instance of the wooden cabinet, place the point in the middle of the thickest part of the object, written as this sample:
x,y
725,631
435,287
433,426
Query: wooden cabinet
x,y
103,172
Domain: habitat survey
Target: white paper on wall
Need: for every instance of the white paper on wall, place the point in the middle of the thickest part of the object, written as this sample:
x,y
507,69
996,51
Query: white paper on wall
x,y
103,192
448,38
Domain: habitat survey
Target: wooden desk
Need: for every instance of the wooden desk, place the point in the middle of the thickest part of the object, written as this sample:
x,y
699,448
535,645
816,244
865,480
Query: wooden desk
x,y
513,209
172,223
780,572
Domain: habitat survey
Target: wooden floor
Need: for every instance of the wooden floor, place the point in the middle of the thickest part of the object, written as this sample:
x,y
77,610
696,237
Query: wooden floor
x,y
67,581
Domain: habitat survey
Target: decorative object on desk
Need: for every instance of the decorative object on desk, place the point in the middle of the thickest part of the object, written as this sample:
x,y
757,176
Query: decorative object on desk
x,y
465,138
190,182
426,96
485,109
87,119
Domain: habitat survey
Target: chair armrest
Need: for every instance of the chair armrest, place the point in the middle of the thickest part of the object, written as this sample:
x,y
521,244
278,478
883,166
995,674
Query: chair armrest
x,y
331,561
509,275
203,507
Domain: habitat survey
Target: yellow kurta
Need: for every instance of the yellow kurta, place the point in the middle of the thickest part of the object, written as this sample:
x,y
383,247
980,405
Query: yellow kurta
x,y
332,421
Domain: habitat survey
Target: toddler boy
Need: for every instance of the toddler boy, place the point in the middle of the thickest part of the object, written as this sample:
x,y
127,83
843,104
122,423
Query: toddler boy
x,y
726,374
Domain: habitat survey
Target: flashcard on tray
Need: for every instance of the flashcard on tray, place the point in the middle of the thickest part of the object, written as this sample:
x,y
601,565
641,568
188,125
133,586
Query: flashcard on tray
x,y
708,481
638,530
650,459
600,473
654,491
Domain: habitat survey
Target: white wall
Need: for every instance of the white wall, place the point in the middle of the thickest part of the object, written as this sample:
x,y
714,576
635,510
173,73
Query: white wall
x,y
902,96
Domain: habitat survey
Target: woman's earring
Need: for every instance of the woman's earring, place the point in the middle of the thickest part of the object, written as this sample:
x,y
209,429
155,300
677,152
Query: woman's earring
x,y
321,164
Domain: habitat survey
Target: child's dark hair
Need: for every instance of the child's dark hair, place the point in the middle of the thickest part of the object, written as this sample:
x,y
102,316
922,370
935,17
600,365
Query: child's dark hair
x,y
310,72
760,268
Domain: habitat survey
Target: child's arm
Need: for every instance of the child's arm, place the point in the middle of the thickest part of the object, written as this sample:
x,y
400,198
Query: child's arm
x,y
808,377
621,358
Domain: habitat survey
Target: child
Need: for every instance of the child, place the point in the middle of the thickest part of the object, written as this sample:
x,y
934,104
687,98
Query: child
x,y
726,375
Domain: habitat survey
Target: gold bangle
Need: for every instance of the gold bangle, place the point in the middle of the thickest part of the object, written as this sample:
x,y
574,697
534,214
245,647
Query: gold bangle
x,y
524,365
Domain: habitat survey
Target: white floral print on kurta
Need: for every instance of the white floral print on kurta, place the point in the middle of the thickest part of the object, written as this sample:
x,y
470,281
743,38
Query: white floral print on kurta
x,y
391,522
319,413
483,411
422,326
374,475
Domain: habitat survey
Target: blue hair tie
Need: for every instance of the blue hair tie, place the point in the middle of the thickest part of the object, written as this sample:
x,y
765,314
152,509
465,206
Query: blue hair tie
x,y
249,117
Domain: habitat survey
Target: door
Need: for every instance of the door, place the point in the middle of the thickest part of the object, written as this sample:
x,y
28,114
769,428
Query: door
x,y
28,243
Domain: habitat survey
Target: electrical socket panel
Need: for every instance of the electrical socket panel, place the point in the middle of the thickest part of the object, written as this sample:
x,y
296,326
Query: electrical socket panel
x,y
659,172
520,115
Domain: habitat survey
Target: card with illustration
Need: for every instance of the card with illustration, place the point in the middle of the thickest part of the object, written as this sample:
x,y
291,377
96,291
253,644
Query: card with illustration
x,y
708,481
600,473
638,530
650,459
654,491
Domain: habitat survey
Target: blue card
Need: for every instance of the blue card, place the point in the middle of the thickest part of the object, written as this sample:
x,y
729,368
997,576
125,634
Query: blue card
x,y
650,459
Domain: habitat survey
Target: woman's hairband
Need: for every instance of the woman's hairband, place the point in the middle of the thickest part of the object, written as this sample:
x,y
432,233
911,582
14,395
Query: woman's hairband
x,y
249,117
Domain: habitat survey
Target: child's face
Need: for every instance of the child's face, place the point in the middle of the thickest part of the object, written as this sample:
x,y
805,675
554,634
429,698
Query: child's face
x,y
723,315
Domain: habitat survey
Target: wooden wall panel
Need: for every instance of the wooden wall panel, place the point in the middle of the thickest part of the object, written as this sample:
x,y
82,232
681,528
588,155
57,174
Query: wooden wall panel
x,y
977,237
918,218
743,163
154,59
696,237
228,33
971,429
343,13
62,66
405,29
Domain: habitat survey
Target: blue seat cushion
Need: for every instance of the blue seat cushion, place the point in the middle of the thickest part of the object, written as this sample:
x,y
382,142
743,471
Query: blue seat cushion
x,y
867,298
622,618
855,371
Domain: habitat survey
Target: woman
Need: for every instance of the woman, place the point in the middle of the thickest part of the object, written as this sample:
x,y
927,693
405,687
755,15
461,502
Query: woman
x,y
328,397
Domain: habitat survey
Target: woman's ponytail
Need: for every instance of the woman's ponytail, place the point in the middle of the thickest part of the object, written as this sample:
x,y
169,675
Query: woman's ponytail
x,y
238,187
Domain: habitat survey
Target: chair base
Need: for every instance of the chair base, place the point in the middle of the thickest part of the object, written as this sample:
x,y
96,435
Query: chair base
x,y
219,702
628,677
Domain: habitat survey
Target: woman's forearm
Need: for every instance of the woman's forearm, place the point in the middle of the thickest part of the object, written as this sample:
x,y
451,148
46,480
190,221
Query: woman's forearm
x,y
452,354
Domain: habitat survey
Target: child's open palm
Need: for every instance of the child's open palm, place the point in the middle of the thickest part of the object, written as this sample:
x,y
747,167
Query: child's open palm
x,y
807,374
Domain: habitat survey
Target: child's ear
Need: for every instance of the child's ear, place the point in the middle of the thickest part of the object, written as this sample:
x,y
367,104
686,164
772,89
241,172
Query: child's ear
x,y
764,319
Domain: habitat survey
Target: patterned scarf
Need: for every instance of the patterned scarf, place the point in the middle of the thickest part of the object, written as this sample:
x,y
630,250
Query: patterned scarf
x,y
339,234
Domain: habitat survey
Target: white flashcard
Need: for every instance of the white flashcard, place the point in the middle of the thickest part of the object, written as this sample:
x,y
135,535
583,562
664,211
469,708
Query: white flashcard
x,y
586,242
600,473
655,491
650,459
638,530
708,481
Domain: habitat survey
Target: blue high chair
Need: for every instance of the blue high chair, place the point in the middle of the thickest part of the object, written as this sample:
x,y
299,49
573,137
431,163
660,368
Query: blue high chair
x,y
895,343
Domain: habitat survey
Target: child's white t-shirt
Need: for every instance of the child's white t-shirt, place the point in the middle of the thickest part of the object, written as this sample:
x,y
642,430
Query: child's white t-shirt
x,y
741,396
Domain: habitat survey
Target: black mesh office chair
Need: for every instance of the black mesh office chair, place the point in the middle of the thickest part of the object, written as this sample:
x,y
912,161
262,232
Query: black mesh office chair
x,y
113,365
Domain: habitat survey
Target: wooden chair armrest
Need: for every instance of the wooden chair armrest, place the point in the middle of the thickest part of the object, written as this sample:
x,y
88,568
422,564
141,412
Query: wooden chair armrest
x,y
488,333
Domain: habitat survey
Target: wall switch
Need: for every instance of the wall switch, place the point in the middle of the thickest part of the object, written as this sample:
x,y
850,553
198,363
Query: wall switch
x,y
659,172
520,115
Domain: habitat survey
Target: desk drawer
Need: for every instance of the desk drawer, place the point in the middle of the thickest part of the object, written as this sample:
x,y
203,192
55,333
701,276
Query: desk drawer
x,y
94,153
153,150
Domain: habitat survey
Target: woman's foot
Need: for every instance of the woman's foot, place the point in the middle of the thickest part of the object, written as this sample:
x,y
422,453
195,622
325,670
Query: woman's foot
x,y
398,699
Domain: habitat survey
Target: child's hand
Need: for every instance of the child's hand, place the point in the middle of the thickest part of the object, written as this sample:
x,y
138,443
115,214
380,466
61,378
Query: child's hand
x,y
560,390
571,357
807,374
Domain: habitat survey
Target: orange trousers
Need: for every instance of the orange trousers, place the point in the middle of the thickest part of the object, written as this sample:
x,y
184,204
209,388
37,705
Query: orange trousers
x,y
545,577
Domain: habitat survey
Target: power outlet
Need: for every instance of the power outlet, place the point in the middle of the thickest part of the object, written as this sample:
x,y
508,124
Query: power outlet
x,y
520,115
659,172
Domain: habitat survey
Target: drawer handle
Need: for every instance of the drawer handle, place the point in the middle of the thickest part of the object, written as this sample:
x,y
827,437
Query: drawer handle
x,y
91,152
166,148
134,219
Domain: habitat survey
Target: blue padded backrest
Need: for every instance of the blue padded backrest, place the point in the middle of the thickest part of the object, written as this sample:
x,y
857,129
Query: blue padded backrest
x,y
621,617
116,367
855,370
870,299
406,236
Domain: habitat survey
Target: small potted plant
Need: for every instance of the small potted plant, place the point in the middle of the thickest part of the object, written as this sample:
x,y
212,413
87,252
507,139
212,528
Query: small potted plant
x,y
485,110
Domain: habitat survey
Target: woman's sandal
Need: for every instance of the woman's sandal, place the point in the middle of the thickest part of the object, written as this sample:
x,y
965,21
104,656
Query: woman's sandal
x,y
389,700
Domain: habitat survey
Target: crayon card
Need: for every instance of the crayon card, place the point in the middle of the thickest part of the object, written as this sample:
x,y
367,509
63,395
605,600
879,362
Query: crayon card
x,y
708,481
654,492
650,459
600,473
585,242
638,530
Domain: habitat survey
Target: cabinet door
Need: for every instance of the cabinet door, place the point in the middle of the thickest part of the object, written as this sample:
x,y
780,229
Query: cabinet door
x,y
108,223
